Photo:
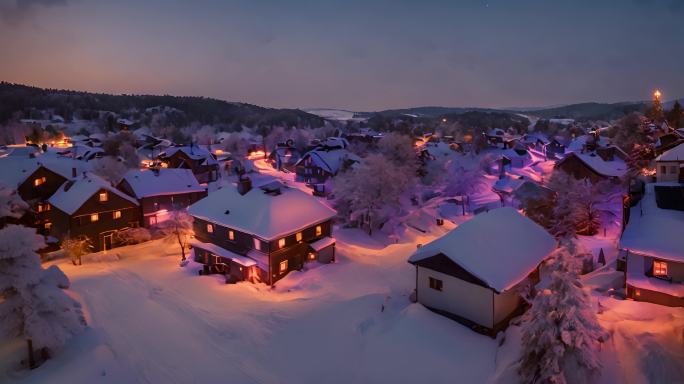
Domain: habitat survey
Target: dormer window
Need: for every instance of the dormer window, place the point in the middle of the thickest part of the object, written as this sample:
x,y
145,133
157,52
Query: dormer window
x,y
39,181
103,197
659,268
210,228
319,230
231,235
298,236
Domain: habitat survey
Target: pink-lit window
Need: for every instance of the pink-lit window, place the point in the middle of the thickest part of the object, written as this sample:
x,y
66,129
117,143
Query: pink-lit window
x,y
231,235
659,268
257,244
210,228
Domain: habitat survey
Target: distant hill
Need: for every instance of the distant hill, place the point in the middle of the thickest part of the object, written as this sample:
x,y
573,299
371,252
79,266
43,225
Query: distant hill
x,y
589,111
21,98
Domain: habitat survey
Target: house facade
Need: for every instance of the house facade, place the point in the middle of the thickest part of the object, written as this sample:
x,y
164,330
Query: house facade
x,y
318,166
466,276
595,165
653,247
161,191
200,161
90,207
261,234
670,165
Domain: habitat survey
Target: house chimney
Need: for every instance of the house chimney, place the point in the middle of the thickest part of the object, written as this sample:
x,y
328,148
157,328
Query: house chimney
x,y
244,185
73,172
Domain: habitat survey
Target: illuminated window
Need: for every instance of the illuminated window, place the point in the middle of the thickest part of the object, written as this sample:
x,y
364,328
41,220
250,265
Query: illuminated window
x,y
39,181
659,268
43,207
298,236
231,235
48,225
435,284
117,214
283,266
103,197
210,228
257,244
94,217
319,230
153,220
281,243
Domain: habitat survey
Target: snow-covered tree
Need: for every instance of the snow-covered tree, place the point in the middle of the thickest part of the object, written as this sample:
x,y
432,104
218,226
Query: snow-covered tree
x,y
560,332
11,204
179,228
32,303
110,168
236,145
370,193
132,236
76,247
399,150
463,181
205,135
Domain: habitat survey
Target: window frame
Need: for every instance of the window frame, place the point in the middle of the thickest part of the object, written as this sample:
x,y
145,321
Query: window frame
x,y
660,268
319,230
256,243
435,283
210,228
231,235
299,236
94,217
116,215
282,263
281,243
103,197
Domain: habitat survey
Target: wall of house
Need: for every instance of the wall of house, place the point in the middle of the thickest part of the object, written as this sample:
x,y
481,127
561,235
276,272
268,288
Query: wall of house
x,y
667,171
575,167
505,303
203,173
458,297
308,235
241,245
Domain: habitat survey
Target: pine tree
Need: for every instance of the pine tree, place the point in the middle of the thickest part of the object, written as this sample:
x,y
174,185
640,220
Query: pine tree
x,y
655,111
675,116
560,332
33,304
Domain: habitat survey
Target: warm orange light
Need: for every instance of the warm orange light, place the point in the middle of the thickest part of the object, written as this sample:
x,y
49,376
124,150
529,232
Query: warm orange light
x,y
656,94
638,293
218,151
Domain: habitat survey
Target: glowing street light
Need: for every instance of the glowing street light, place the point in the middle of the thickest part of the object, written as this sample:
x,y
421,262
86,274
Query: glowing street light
x,y
656,94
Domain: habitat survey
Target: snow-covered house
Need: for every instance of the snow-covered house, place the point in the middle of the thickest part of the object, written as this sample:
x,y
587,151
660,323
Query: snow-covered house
x,y
161,191
262,233
474,273
653,246
284,157
595,165
516,157
203,164
670,165
318,166
499,138
89,206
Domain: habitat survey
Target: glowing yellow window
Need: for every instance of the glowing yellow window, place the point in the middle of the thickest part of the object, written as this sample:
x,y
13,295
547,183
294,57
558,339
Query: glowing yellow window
x,y
103,197
659,268
94,217
210,228
319,230
48,225
298,236
283,266
231,235
117,214
281,243
39,181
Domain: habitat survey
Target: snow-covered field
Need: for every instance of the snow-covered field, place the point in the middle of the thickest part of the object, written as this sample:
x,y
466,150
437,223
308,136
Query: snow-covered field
x,y
152,321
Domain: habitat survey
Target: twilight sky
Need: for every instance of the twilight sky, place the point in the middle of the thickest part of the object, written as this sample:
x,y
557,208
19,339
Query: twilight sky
x,y
359,55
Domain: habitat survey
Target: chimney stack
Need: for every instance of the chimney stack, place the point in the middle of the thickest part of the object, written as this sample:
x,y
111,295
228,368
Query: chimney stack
x,y
244,185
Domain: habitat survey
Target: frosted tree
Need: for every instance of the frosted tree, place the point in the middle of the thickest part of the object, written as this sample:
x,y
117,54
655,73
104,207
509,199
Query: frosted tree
x,y
463,181
179,228
399,150
236,145
205,135
560,332
110,168
76,247
371,192
32,303
11,204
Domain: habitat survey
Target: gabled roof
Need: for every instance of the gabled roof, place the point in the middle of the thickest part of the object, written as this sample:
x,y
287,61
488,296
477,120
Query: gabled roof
x,y
165,181
267,216
500,247
657,232
194,152
674,154
15,170
330,160
74,193
613,168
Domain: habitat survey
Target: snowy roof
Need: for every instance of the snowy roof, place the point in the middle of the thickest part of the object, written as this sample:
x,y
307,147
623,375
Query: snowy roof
x,y
613,168
267,216
658,232
500,247
15,170
330,160
533,137
322,243
508,184
22,151
74,193
578,143
674,154
167,181
194,152
220,251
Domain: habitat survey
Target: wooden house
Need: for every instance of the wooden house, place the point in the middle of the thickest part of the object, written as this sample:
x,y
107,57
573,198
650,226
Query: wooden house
x,y
199,160
498,138
653,246
473,273
161,191
284,157
89,206
318,166
262,233
595,165
670,165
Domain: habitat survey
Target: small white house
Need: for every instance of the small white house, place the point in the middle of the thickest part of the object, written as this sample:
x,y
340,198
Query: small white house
x,y
474,273
669,165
